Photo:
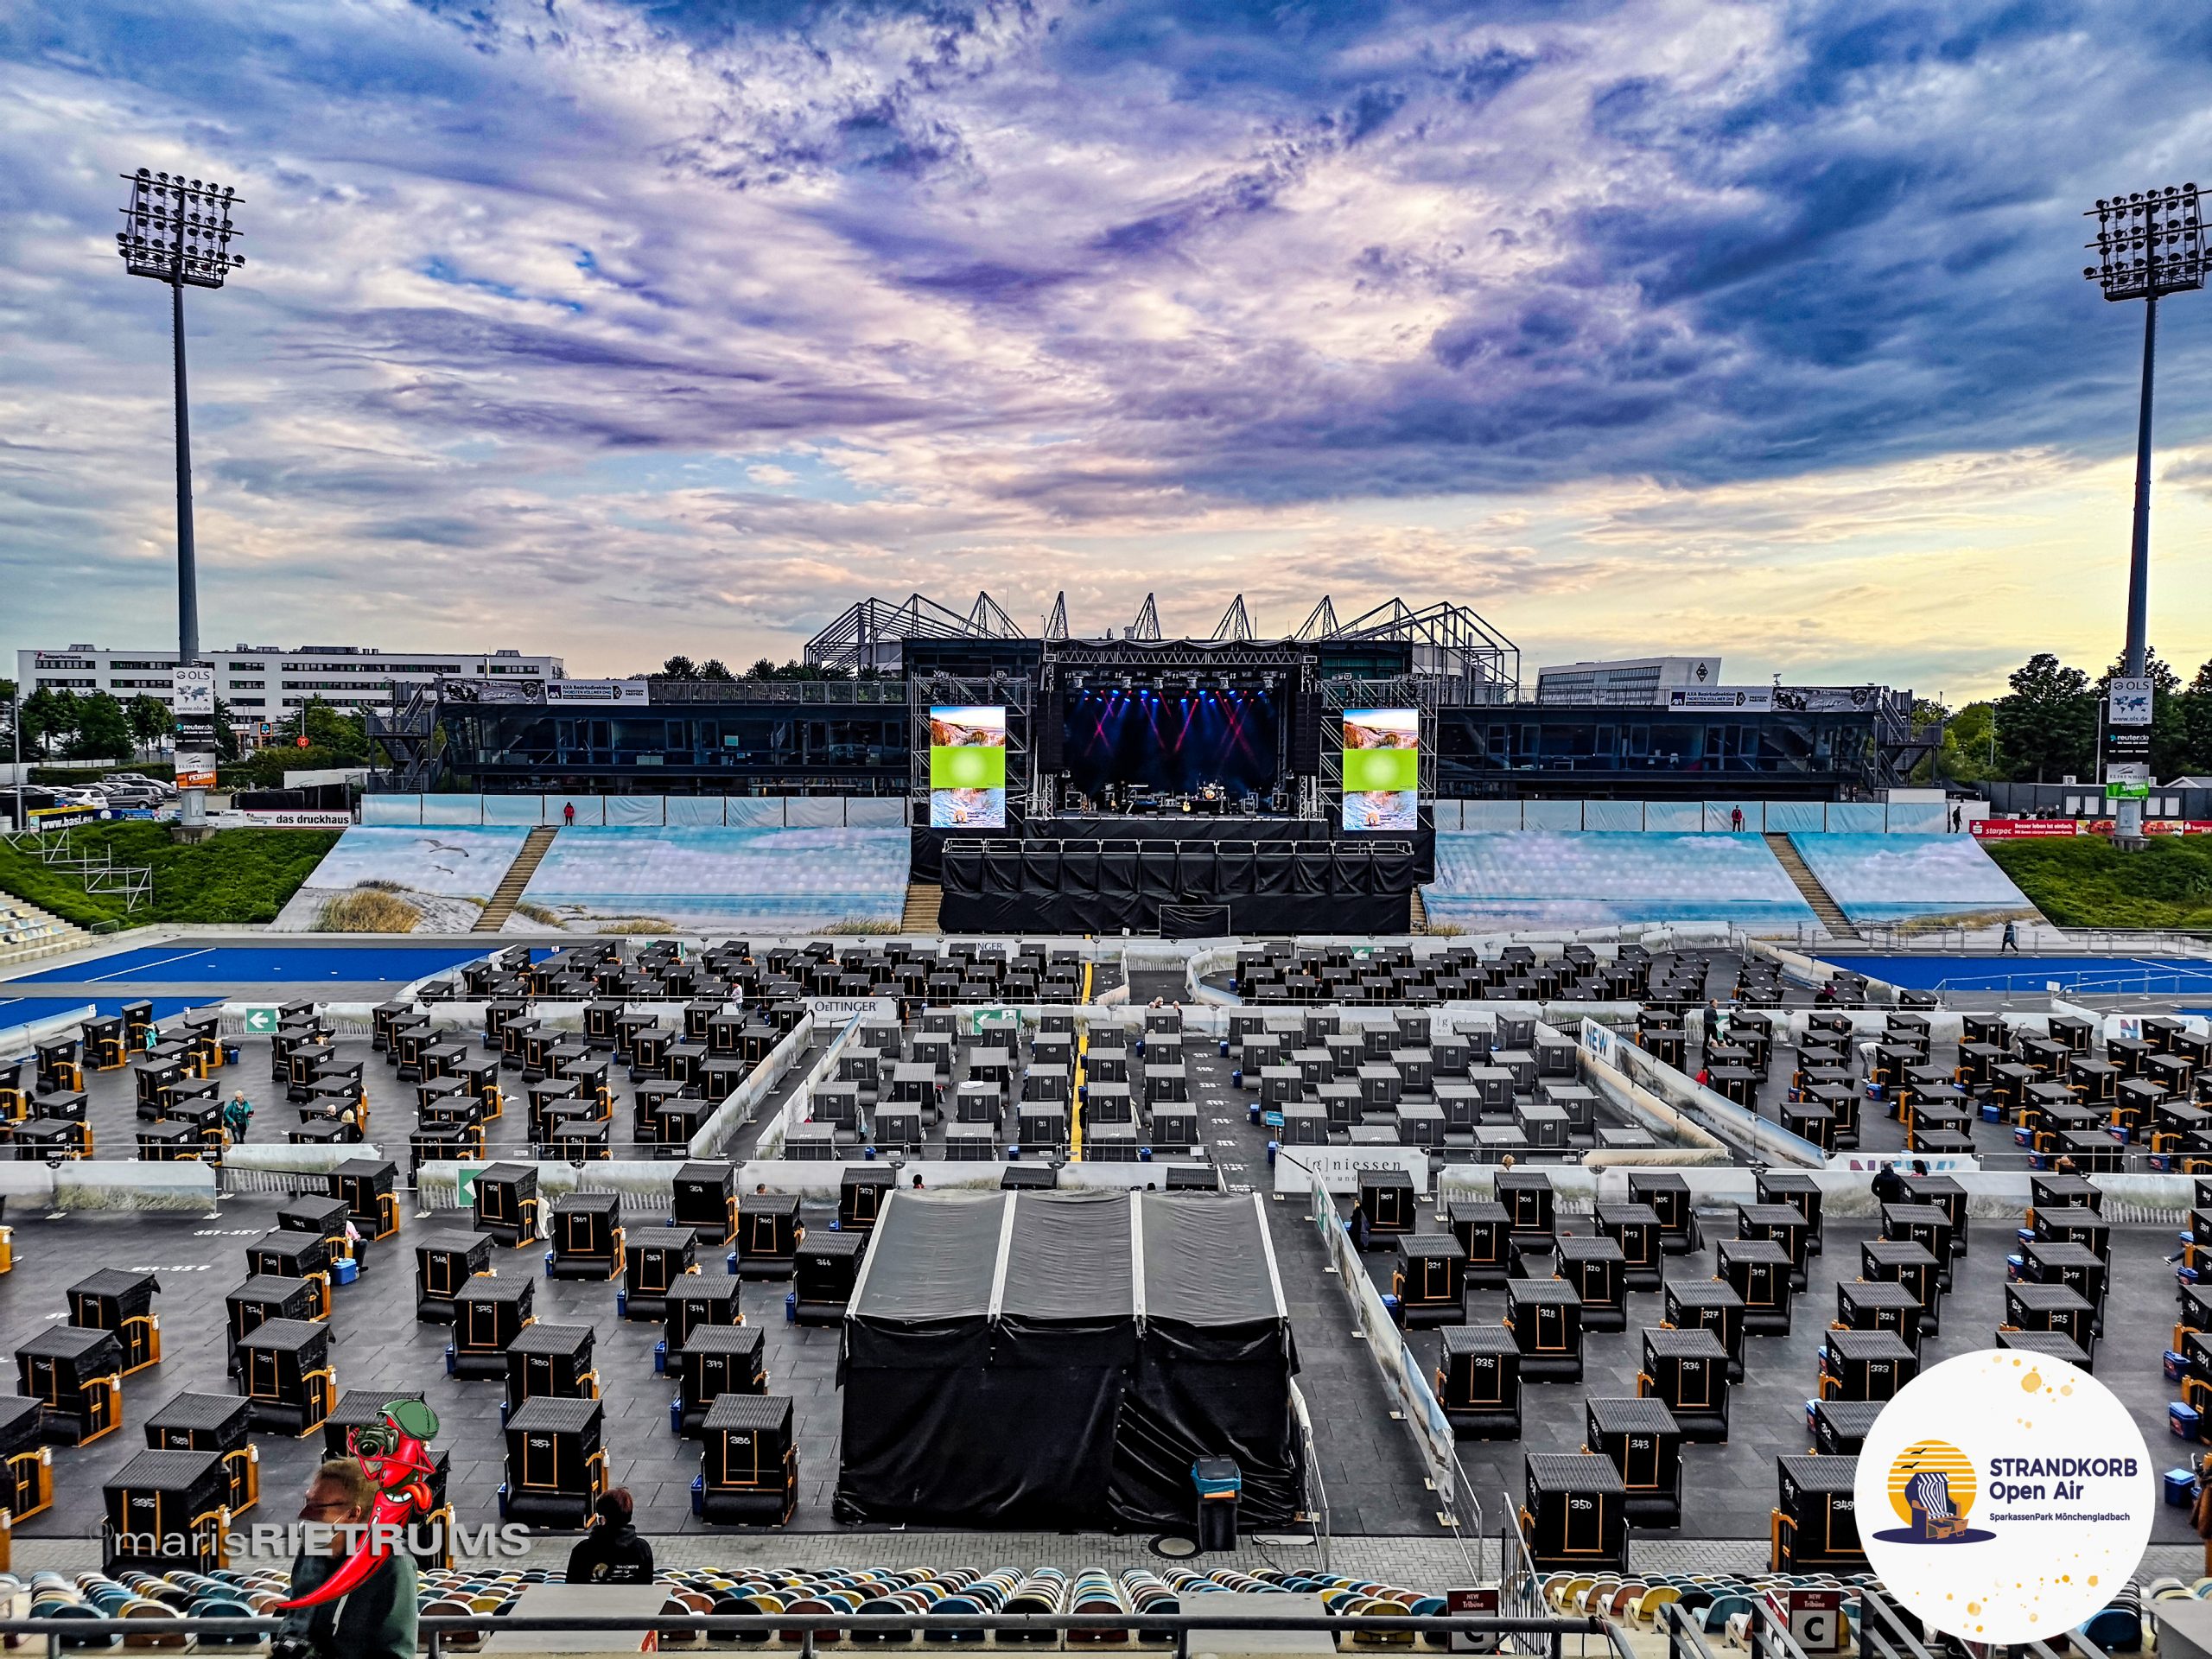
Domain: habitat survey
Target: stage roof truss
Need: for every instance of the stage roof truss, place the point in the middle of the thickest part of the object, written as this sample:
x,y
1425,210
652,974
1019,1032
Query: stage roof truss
x,y
1451,642
867,634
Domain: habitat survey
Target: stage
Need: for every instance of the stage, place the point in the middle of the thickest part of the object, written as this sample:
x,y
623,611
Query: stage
x,y
1175,826
1348,886
1134,775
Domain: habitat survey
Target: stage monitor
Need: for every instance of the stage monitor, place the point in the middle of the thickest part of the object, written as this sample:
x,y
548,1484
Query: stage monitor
x,y
967,767
1382,769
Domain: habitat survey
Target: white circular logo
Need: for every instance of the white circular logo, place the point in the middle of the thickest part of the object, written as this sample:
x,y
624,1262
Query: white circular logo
x,y
2003,1496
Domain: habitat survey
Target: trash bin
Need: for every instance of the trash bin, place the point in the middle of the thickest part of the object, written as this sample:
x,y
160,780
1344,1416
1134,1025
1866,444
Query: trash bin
x,y
1220,1484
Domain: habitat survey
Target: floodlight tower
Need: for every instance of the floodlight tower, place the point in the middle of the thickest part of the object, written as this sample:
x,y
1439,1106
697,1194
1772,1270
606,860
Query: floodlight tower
x,y
2150,243
178,230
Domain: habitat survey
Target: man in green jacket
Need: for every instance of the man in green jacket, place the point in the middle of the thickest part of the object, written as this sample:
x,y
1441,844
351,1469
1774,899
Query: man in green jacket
x,y
377,1620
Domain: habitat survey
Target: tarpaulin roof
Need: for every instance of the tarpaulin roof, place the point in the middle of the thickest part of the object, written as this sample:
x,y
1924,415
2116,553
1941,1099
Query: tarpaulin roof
x,y
1202,1259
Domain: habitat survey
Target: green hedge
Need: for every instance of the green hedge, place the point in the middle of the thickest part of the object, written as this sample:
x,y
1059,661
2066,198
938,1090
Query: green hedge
x,y
237,876
2082,881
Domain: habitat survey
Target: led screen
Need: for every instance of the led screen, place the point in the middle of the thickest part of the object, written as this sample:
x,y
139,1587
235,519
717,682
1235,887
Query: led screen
x,y
967,768
1381,769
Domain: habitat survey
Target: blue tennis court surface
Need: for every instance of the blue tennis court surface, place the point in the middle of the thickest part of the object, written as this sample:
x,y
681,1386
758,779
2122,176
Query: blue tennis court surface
x,y
2090,976
184,963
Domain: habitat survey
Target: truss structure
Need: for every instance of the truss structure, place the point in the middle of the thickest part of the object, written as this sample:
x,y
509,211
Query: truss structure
x,y
867,635
1415,691
1452,644
1014,692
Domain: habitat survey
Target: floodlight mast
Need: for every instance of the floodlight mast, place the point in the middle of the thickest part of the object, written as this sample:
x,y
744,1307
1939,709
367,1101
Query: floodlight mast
x,y
2150,243
178,230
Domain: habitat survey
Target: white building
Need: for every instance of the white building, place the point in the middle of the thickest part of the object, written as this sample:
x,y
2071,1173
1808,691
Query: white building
x,y
1625,682
263,685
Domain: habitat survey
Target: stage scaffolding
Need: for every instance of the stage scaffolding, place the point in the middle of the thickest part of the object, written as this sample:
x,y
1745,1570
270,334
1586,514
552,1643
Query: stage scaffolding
x,y
1469,659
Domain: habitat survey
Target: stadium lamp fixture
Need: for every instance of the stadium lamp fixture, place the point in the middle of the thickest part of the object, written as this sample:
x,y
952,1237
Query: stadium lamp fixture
x,y
2149,244
178,230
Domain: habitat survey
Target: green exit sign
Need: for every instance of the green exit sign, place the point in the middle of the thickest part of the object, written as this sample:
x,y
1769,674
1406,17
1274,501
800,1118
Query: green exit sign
x,y
261,1022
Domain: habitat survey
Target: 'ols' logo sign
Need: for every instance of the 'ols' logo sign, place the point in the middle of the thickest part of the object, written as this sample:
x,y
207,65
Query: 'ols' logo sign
x,y
2006,1496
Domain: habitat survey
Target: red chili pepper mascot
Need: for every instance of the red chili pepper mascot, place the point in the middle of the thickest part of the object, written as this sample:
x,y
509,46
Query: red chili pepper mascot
x,y
395,1452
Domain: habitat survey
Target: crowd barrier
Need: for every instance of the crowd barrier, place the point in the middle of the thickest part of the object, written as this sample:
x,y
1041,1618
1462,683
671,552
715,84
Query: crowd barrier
x,y
1694,818
643,811
890,812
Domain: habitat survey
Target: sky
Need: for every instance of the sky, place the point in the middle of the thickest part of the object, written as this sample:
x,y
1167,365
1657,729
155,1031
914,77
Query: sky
x,y
615,330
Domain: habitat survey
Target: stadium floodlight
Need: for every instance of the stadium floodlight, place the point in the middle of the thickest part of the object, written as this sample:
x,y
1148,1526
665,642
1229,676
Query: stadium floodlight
x,y
178,230
2149,244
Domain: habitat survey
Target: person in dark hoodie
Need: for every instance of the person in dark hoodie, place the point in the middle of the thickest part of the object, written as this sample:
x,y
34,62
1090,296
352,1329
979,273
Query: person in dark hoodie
x,y
1889,1185
614,1551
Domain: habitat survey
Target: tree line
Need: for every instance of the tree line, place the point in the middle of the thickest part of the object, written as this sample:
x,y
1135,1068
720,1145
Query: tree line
x,y
713,671
2044,729
67,725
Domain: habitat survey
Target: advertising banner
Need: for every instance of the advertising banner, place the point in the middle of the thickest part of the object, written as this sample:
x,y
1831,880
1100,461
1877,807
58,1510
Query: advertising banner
x,y
195,685
1740,699
195,769
967,767
634,692
301,820
1825,699
491,691
2005,1497
2022,828
1336,1168
2128,703
1382,755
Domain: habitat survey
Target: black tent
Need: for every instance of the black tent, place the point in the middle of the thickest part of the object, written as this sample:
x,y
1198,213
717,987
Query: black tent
x,y
1060,1359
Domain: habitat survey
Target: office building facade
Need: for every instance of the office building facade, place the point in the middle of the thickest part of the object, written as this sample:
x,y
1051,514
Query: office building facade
x,y
263,686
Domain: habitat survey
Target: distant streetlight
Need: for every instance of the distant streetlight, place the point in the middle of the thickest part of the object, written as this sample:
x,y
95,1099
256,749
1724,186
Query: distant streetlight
x,y
2149,243
178,230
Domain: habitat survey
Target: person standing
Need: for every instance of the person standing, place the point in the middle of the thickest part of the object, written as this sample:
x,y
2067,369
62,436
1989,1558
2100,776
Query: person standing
x,y
376,1618
2199,1514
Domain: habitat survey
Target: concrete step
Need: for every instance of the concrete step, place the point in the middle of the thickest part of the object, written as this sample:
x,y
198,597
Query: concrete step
x,y
924,900
1817,897
505,896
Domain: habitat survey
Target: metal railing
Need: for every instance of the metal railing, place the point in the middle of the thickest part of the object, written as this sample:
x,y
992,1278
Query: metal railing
x,y
96,871
1541,1636
888,694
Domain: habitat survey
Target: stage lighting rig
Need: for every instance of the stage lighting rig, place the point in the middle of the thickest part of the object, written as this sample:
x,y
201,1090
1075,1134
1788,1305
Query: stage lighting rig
x,y
2149,244
178,230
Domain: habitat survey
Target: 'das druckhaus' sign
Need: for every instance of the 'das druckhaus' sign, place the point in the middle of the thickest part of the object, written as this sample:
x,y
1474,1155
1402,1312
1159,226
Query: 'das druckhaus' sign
x,y
2005,1497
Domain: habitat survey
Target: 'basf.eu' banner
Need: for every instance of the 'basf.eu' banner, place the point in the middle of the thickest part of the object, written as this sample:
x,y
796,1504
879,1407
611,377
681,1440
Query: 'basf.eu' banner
x,y
626,691
2004,1496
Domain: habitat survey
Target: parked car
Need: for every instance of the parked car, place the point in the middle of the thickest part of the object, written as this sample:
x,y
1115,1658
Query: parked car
x,y
35,798
138,780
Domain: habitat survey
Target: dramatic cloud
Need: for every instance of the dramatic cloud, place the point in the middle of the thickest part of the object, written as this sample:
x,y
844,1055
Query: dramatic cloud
x,y
621,328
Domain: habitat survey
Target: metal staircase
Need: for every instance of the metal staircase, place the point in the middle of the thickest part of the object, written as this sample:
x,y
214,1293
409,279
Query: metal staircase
x,y
504,896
